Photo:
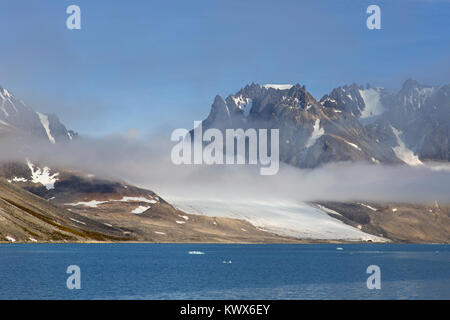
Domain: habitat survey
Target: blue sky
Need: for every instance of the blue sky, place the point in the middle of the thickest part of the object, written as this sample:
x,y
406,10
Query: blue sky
x,y
149,65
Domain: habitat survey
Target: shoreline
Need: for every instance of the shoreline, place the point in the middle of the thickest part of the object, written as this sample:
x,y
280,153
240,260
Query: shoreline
x,y
300,242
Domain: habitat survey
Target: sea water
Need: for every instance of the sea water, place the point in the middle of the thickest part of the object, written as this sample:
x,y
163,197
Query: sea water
x,y
223,271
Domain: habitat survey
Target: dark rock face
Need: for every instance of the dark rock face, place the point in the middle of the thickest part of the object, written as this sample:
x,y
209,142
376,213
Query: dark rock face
x,y
422,113
400,222
311,133
346,98
352,123
429,131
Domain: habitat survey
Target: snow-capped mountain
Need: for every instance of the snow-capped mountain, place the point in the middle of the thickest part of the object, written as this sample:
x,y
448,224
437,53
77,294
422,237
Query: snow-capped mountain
x,y
413,95
362,103
18,119
422,114
311,133
352,123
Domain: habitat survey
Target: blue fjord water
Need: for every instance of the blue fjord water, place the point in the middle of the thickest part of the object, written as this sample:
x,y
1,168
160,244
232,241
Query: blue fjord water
x,y
174,271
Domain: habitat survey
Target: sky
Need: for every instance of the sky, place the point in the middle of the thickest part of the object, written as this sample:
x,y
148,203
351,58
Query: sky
x,y
141,66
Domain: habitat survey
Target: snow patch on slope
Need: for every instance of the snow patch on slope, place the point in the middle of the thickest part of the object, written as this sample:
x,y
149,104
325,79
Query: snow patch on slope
x,y
140,209
418,96
423,94
369,207
373,106
403,153
90,204
20,179
136,199
278,86
4,110
46,124
316,134
244,104
95,203
43,176
353,145
293,219
328,210
4,123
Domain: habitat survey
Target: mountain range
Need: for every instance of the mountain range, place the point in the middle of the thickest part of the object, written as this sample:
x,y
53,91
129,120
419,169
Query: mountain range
x,y
351,123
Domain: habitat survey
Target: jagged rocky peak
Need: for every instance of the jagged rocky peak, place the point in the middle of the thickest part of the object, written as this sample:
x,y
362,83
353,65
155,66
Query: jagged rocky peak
x,y
414,95
5,93
258,100
352,123
219,111
22,121
290,101
361,102
410,84
346,98
440,101
251,91
306,99
267,102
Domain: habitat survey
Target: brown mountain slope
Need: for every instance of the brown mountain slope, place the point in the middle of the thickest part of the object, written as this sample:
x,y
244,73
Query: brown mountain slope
x,y
399,222
26,217
82,207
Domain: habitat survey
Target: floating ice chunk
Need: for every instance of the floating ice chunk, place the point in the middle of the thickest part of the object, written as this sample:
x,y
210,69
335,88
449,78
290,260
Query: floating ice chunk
x,y
196,252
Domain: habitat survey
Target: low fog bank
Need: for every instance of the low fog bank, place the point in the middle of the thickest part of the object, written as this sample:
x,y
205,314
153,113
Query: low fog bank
x,y
147,163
